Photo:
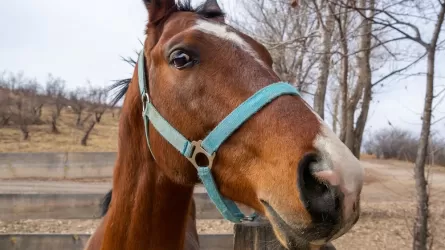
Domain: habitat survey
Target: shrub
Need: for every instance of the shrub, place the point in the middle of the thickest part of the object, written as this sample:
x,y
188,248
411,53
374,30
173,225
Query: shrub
x,y
396,143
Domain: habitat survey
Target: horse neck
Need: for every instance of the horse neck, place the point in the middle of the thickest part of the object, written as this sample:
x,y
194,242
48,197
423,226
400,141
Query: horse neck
x,y
148,210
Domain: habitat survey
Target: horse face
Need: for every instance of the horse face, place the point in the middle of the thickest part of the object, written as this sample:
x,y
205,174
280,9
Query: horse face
x,y
284,162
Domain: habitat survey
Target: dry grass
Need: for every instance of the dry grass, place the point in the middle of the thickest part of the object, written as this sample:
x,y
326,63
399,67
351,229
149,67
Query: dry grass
x,y
103,138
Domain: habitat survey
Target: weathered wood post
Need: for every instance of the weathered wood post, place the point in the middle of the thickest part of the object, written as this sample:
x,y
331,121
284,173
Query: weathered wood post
x,y
259,235
255,235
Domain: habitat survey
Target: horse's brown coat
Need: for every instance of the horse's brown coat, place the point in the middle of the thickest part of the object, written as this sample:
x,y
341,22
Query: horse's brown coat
x,y
150,206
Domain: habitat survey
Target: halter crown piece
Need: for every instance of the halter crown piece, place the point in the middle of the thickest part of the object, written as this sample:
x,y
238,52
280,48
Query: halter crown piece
x,y
209,145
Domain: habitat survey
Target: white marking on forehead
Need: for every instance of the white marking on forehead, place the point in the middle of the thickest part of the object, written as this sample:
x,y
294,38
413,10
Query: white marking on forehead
x,y
222,31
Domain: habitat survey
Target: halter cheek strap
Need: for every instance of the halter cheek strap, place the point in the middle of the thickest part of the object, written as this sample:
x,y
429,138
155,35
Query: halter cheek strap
x,y
210,144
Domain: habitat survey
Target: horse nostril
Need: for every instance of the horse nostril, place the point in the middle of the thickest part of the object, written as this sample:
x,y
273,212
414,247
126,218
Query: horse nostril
x,y
320,198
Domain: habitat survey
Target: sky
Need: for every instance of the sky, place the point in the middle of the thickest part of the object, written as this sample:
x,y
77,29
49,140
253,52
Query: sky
x,y
84,40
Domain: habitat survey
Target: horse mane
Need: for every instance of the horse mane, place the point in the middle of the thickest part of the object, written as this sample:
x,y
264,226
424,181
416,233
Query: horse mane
x,y
200,9
121,86
105,204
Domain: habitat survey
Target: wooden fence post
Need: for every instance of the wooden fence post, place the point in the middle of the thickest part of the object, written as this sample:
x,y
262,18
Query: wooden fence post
x,y
256,235
259,235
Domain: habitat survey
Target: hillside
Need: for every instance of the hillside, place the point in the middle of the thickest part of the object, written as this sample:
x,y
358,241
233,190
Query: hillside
x,y
48,117
103,137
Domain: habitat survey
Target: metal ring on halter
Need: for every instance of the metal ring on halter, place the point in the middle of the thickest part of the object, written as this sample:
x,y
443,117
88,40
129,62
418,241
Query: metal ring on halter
x,y
145,100
249,218
198,149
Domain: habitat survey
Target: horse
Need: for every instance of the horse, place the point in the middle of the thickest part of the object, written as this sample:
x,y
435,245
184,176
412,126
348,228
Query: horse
x,y
204,105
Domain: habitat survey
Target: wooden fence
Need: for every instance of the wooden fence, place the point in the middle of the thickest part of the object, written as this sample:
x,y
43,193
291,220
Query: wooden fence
x,y
77,206
250,236
256,235
78,241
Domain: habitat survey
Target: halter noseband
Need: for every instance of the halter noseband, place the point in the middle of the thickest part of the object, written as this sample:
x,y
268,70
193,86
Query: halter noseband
x,y
214,139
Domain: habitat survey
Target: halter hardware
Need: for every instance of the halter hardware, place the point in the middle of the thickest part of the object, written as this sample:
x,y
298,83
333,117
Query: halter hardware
x,y
198,149
210,144
145,100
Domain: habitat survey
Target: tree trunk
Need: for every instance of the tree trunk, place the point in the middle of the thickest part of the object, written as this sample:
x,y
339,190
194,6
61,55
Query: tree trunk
x,y
5,120
54,129
421,223
420,235
325,62
336,108
59,108
361,121
364,78
84,140
349,128
98,116
25,131
39,111
344,90
79,117
85,119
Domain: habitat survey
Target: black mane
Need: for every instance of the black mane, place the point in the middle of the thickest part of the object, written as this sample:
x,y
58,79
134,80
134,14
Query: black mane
x,y
121,86
105,204
200,9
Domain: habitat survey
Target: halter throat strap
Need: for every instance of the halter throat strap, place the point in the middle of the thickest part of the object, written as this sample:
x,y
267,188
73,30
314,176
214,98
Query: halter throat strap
x,y
210,144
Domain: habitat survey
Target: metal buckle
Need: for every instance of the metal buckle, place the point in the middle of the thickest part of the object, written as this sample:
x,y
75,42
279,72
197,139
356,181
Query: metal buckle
x,y
197,149
248,218
145,100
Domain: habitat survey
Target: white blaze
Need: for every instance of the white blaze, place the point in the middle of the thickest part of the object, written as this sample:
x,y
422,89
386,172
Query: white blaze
x,y
222,31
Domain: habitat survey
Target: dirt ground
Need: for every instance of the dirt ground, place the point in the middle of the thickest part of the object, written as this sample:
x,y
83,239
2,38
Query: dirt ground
x,y
386,219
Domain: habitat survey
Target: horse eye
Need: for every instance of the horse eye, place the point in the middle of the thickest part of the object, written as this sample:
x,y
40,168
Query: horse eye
x,y
181,60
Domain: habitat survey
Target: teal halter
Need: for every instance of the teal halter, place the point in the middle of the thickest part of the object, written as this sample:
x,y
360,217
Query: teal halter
x,y
214,139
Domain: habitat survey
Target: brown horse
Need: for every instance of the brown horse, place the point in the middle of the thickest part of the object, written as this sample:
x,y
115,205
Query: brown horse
x,y
284,161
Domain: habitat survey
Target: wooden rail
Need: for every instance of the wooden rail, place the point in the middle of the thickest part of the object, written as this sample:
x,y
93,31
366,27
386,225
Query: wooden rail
x,y
78,241
76,206
248,236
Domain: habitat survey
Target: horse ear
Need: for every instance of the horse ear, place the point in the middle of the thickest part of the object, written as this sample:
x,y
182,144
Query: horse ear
x,y
157,9
212,7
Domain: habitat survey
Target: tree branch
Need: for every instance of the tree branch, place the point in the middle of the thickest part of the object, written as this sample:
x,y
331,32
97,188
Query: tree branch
x,y
399,70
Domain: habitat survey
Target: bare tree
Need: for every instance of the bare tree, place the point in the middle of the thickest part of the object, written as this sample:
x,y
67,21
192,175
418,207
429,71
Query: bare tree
x,y
97,97
78,103
85,137
28,105
396,143
361,50
55,91
23,121
290,35
334,111
327,24
354,136
342,24
399,18
6,101
421,224
6,106
13,81
21,102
